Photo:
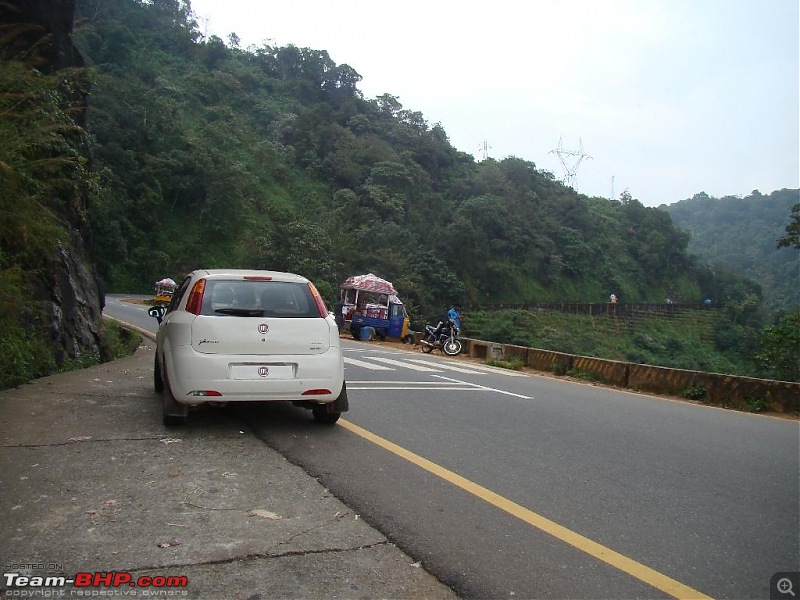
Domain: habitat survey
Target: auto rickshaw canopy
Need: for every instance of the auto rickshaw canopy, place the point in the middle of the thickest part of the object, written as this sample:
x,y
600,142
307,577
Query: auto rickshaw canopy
x,y
369,283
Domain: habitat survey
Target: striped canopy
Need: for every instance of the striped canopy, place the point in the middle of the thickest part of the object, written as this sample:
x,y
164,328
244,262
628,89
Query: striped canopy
x,y
369,283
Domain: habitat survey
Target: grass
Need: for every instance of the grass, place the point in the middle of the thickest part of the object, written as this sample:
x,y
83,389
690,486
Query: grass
x,y
121,342
685,342
24,356
513,363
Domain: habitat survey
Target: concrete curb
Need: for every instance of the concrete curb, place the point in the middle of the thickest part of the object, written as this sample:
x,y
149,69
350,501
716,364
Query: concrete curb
x,y
727,390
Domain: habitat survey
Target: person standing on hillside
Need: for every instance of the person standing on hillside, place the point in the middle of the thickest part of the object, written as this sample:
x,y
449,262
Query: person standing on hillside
x,y
454,314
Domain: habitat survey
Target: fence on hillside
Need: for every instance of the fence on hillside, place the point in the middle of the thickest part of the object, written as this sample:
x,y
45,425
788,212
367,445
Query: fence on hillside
x,y
620,309
695,315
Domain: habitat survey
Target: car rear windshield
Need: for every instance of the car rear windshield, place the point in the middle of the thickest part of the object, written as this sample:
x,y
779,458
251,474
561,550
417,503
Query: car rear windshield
x,y
258,299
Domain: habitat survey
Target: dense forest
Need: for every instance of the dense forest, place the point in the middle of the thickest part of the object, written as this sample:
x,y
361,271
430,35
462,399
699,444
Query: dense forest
x,y
740,234
199,153
270,157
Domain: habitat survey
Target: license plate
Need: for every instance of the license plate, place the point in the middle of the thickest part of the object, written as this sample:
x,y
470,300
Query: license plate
x,y
257,371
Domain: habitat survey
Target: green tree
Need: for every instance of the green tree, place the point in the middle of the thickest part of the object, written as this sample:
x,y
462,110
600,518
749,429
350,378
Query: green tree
x,y
779,349
792,237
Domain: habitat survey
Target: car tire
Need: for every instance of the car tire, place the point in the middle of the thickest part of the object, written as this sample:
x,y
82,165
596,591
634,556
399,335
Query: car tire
x,y
174,414
321,414
330,413
158,381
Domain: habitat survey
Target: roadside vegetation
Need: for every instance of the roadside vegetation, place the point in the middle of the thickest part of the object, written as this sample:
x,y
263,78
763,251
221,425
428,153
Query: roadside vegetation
x,y
23,357
121,341
688,342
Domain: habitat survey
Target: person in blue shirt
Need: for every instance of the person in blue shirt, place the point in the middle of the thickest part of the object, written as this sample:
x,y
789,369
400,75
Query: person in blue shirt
x,y
454,314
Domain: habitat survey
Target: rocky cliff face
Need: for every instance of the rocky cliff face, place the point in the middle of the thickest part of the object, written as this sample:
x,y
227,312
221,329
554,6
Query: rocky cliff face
x,y
50,31
43,35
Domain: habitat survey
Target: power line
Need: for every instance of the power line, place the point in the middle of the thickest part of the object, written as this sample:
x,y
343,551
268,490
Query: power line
x,y
570,161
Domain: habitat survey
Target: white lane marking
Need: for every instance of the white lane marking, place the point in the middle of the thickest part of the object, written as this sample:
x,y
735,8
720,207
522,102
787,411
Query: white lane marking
x,y
360,363
447,367
406,365
449,384
497,370
384,382
414,385
443,363
415,388
432,366
483,387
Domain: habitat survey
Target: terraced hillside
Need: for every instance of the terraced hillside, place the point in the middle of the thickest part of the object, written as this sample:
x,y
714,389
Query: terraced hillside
x,y
675,336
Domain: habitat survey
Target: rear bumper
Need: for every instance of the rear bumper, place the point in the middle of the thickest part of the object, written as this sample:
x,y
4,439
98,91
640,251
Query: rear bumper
x,y
191,373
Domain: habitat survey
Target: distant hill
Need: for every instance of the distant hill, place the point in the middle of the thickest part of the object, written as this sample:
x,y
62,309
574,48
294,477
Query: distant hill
x,y
740,235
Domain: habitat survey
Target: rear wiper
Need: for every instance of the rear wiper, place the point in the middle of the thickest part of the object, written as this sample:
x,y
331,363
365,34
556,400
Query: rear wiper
x,y
240,312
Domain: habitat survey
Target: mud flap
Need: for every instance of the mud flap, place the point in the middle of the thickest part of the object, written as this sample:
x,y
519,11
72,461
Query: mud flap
x,y
341,404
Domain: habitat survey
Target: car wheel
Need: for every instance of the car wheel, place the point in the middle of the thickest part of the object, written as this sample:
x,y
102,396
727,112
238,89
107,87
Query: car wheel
x,y
321,414
174,414
158,382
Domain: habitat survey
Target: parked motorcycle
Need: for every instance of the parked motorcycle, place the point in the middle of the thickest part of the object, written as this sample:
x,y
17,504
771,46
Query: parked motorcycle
x,y
443,336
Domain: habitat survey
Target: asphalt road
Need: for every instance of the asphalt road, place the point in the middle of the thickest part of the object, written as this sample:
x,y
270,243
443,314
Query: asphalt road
x,y
533,487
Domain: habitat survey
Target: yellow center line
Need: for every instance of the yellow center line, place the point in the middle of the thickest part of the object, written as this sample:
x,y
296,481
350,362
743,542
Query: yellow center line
x,y
576,540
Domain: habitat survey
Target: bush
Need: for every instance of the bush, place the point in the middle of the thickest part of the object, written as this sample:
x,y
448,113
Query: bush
x,y
122,342
23,357
695,392
779,349
512,362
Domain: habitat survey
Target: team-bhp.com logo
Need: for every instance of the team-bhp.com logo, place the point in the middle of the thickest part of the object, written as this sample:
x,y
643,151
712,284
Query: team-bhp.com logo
x,y
111,579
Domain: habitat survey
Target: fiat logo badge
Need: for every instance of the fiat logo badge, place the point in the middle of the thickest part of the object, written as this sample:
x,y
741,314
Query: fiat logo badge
x,y
263,328
263,371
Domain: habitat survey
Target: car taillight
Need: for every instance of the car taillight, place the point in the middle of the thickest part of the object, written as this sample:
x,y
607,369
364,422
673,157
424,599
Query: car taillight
x,y
317,392
195,300
259,278
323,310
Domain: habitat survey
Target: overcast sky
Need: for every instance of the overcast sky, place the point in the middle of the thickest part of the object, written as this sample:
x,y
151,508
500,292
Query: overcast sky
x,y
668,97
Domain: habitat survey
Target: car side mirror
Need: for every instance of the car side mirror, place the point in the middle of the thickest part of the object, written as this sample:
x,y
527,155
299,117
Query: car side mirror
x,y
157,312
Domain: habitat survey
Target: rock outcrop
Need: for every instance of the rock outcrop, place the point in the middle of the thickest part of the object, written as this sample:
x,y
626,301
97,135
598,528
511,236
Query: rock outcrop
x,y
41,32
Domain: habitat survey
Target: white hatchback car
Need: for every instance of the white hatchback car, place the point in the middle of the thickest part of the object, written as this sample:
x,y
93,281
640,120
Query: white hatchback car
x,y
248,336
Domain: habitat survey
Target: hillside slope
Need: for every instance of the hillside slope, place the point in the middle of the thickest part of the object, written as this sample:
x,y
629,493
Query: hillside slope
x,y
270,157
740,235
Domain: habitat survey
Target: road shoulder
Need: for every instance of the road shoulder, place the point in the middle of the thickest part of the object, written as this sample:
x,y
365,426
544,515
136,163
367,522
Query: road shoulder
x,y
92,482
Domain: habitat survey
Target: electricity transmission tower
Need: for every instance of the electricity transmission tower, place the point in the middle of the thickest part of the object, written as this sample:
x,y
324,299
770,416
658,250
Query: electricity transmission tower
x,y
485,147
570,161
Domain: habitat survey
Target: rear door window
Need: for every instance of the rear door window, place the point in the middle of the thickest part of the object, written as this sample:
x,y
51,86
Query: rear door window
x,y
258,299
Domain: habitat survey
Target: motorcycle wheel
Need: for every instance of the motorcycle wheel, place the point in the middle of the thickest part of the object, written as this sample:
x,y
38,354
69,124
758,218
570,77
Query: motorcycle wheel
x,y
452,347
426,344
